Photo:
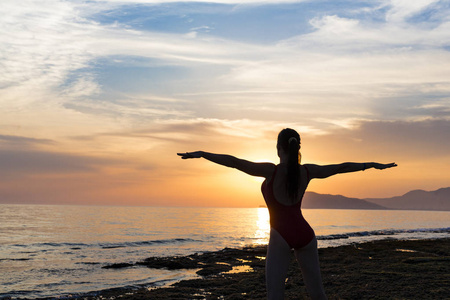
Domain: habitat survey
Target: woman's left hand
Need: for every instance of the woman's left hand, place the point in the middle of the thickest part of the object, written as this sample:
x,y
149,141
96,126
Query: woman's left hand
x,y
186,155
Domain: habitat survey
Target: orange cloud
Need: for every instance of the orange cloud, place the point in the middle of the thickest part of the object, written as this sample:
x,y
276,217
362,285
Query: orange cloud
x,y
141,167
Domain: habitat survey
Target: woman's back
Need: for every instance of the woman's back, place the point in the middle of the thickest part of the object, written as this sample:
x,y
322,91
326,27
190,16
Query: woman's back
x,y
286,217
279,184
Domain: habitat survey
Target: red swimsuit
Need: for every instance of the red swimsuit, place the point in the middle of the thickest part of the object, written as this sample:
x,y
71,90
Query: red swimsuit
x,y
287,219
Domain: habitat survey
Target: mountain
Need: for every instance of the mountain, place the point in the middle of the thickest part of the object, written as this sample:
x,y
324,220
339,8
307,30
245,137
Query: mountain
x,y
417,200
413,200
315,200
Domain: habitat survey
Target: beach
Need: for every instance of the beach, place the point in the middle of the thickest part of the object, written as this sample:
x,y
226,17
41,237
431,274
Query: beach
x,y
124,251
386,269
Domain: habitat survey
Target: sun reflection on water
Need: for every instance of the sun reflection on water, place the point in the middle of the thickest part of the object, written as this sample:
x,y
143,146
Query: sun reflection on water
x,y
262,226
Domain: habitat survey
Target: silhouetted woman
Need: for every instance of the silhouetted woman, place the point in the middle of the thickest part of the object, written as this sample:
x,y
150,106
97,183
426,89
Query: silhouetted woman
x,y
283,191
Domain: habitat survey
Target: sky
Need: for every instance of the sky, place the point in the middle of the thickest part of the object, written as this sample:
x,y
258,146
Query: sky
x,y
97,97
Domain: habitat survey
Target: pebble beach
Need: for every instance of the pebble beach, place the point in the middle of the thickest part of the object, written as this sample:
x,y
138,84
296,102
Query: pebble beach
x,y
386,269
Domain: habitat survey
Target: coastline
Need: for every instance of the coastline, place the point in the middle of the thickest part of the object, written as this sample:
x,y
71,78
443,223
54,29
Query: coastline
x,y
385,269
70,261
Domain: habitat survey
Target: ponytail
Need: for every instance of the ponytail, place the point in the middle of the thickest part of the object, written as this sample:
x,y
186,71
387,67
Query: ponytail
x,y
289,140
292,168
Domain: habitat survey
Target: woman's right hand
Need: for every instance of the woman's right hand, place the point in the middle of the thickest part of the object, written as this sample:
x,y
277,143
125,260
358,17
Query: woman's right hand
x,y
186,155
383,166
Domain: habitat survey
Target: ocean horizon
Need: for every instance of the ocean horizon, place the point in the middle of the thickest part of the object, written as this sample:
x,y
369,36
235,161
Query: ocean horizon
x,y
55,250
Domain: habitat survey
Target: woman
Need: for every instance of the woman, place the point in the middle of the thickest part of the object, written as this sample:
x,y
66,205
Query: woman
x,y
283,191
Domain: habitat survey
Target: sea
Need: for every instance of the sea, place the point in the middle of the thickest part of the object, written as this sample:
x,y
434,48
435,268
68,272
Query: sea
x,y
56,251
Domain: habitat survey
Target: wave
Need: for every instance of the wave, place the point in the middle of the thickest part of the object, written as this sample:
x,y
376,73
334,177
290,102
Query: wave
x,y
147,243
46,245
387,232
72,248
107,245
15,259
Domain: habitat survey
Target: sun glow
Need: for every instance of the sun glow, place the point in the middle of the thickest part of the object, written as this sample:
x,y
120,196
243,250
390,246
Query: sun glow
x,y
263,226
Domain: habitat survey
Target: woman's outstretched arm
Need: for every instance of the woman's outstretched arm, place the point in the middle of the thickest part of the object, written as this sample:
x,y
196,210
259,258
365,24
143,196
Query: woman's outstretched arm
x,y
317,171
251,168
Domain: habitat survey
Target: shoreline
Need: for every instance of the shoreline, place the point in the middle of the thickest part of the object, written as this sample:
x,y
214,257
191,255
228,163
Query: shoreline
x,y
383,269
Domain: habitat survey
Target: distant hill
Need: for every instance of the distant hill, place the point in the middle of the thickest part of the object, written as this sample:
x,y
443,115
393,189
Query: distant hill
x,y
413,200
417,200
314,200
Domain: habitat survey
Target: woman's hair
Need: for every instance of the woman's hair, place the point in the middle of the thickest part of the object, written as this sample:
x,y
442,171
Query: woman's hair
x,y
289,141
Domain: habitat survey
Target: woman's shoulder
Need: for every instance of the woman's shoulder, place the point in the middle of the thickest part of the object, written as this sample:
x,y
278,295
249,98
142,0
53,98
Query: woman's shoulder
x,y
310,167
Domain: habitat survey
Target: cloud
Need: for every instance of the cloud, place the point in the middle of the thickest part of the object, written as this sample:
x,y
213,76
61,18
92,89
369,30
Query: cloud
x,y
39,163
95,99
401,10
347,66
408,141
11,141
197,131
41,43
49,51
347,60
344,33
206,1
24,157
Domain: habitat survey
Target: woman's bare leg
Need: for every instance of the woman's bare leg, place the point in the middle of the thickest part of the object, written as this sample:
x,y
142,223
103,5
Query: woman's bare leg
x,y
308,259
277,263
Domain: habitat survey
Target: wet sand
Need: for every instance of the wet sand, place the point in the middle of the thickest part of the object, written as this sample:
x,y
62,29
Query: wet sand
x,y
386,269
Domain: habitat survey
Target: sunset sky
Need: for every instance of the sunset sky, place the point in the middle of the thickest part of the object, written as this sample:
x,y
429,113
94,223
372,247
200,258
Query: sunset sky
x,y
97,97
